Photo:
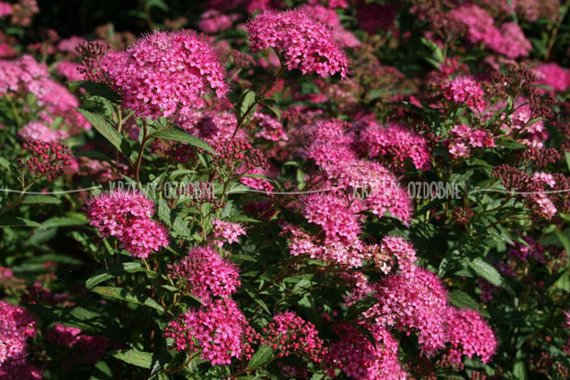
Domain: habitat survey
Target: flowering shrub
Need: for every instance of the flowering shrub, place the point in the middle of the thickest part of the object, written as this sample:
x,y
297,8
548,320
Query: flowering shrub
x,y
312,189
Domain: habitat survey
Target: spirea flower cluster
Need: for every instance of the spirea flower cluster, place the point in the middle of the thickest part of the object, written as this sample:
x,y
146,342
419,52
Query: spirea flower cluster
x,y
206,274
303,42
166,72
126,215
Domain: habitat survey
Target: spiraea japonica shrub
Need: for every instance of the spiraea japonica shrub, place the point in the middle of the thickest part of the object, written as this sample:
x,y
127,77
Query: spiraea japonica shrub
x,y
285,190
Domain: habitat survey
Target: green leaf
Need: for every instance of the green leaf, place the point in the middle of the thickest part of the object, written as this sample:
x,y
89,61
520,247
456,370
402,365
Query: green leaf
x,y
135,357
262,357
130,297
247,106
567,156
101,371
15,221
72,219
95,280
181,136
41,199
104,128
487,271
463,300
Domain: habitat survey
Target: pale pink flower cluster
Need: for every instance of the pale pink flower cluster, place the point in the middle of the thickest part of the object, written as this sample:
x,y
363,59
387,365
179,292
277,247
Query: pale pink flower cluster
x,y
69,45
227,232
207,274
303,42
397,143
463,139
69,70
469,335
216,330
25,75
36,130
362,359
213,21
553,76
16,327
508,39
465,90
127,217
166,72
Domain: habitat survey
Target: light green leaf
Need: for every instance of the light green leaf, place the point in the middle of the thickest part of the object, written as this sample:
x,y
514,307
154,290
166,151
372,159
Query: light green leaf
x,y
134,357
487,271
104,128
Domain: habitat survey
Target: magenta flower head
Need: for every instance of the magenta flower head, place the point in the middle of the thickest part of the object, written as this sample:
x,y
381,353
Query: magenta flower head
x,y
165,72
303,42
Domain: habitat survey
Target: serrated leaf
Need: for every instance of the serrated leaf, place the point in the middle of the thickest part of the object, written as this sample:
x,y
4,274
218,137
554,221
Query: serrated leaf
x,y
127,296
462,300
95,280
262,357
104,128
174,134
487,271
134,357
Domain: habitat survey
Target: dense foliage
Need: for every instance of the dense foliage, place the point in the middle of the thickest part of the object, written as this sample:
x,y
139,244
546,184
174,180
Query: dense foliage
x,y
279,189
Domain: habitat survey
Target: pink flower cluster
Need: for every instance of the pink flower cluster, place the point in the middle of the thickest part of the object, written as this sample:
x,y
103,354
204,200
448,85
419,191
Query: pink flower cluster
x,y
396,143
165,72
269,128
207,274
415,300
464,138
469,335
332,151
334,215
36,130
5,9
86,349
127,217
303,42
303,243
213,21
216,330
289,334
359,358
227,232
16,327
413,303
508,39
553,76
465,90
403,251
25,75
